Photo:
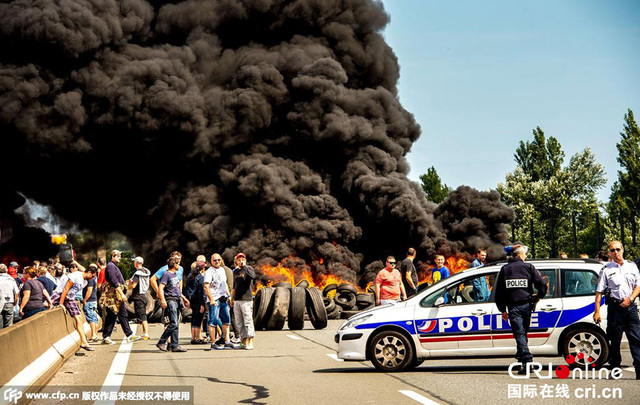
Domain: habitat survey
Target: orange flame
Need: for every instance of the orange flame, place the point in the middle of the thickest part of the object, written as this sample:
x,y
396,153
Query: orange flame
x,y
281,273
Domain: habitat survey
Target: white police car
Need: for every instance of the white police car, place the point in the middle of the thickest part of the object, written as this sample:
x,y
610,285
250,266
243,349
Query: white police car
x,y
444,321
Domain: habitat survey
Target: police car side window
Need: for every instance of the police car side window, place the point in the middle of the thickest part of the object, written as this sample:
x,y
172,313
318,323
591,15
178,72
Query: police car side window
x,y
579,282
549,277
430,299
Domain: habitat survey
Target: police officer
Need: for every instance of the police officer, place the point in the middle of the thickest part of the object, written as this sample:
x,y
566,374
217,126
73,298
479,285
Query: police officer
x,y
622,279
514,290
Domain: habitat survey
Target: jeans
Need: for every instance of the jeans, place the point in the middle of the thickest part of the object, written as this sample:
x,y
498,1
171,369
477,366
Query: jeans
x,y
219,314
110,321
7,315
623,320
91,312
520,320
173,328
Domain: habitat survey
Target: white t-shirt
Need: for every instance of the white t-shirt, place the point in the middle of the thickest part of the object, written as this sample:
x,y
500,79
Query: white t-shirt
x,y
217,279
76,278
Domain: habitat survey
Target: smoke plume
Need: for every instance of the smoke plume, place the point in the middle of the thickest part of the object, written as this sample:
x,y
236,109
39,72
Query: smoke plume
x,y
264,126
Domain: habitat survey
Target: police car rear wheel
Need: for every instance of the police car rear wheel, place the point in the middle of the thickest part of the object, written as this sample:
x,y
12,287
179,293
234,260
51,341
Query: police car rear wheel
x,y
590,343
390,351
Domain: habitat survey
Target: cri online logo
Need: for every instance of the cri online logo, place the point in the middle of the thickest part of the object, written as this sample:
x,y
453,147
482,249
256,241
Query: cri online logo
x,y
563,371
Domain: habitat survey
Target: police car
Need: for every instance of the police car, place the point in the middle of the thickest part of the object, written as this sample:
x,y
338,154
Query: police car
x,y
446,321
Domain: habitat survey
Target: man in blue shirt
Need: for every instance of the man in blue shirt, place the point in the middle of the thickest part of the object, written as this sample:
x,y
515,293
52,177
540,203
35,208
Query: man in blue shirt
x,y
153,281
481,292
440,272
170,297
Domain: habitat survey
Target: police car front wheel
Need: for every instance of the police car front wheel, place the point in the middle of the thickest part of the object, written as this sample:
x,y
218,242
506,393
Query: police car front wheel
x,y
391,351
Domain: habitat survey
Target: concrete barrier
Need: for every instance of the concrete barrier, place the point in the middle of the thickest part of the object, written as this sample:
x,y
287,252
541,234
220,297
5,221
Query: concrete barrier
x,y
35,348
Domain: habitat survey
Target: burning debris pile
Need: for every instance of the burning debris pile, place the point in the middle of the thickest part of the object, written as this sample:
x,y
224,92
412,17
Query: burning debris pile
x,y
269,127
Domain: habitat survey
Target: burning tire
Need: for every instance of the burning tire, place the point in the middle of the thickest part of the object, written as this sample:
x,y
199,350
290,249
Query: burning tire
x,y
303,284
261,307
281,299
315,308
295,320
346,299
390,350
328,289
335,313
347,287
282,284
329,304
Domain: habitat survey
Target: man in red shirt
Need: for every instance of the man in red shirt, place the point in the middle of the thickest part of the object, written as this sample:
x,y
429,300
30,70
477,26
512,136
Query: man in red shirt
x,y
389,287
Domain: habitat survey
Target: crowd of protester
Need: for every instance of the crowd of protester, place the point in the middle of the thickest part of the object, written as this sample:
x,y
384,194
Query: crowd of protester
x,y
101,290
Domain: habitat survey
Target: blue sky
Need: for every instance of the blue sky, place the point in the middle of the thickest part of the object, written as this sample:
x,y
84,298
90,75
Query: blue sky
x,y
479,76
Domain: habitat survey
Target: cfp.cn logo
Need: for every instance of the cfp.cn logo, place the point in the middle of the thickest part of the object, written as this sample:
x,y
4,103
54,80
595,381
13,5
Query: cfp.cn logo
x,y
12,395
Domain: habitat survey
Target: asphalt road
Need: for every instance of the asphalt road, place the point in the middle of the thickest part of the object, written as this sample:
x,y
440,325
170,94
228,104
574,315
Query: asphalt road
x,y
300,367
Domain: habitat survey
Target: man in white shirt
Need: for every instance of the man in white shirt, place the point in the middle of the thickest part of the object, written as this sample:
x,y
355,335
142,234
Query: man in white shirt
x,y
8,297
217,293
622,279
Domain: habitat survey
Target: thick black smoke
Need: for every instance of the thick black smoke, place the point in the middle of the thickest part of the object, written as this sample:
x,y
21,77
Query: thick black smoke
x,y
271,127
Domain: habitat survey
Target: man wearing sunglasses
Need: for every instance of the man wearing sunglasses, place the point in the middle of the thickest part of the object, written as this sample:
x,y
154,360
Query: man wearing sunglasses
x,y
389,287
622,279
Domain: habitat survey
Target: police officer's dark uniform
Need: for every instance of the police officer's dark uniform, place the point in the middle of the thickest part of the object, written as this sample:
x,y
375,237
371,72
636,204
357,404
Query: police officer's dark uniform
x,y
514,290
619,282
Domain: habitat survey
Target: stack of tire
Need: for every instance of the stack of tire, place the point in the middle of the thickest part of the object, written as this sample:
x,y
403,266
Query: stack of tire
x,y
282,303
346,302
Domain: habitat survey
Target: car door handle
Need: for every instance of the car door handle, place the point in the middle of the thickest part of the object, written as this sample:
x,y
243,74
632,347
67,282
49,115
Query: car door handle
x,y
548,308
478,313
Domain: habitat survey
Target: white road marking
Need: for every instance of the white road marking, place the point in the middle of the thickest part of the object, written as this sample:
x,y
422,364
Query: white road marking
x,y
118,369
417,397
334,356
630,369
294,337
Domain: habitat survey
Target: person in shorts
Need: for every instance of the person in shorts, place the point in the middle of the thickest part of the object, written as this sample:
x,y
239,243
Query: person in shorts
x,y
65,294
90,308
139,283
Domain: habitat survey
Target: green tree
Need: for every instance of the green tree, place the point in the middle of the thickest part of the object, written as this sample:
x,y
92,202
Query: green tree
x,y
433,187
625,194
541,190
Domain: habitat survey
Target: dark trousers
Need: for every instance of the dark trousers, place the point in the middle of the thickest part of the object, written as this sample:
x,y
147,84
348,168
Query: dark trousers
x,y
110,321
520,320
173,328
623,320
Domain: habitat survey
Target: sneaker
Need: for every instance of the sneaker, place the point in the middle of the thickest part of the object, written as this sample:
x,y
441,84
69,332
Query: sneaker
x,y
178,349
249,347
218,346
235,340
132,338
231,345
144,337
162,346
108,341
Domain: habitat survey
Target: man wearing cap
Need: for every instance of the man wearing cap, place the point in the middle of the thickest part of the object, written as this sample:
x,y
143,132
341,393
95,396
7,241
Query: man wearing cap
x,y
13,269
622,279
8,297
243,279
139,283
114,300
